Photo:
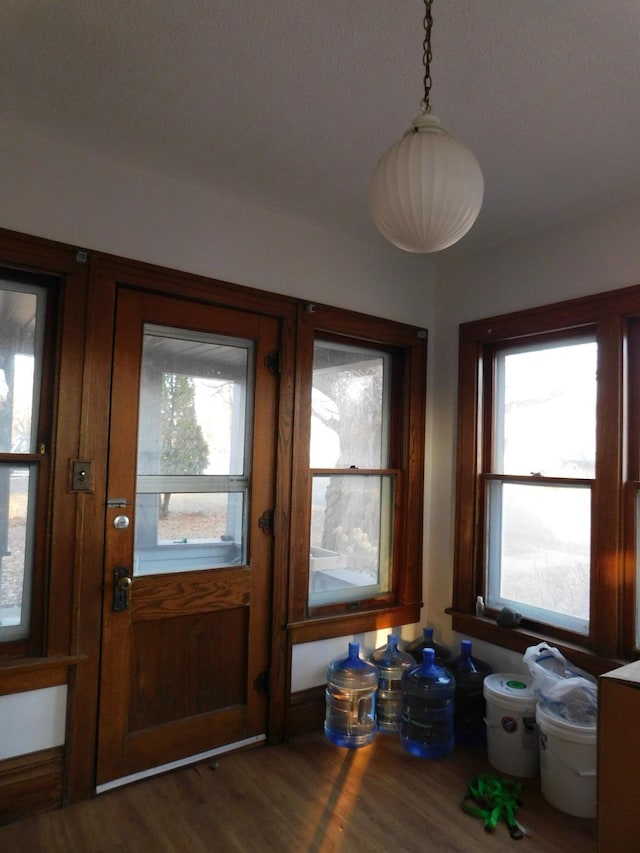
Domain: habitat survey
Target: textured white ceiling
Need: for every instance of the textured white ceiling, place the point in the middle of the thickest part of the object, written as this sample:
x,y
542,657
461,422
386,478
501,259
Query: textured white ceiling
x,y
288,104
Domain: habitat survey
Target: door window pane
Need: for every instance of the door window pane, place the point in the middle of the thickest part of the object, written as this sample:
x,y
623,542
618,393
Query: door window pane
x,y
351,522
546,411
539,551
183,532
193,451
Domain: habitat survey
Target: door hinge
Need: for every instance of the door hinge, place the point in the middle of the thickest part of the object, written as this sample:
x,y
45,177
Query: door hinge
x,y
262,683
265,522
272,362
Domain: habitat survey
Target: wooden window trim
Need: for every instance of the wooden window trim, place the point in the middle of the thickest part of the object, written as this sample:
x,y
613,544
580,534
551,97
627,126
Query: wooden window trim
x,y
613,317
408,347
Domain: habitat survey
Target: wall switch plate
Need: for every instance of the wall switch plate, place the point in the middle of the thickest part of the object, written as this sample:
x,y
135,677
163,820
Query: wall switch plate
x,y
81,476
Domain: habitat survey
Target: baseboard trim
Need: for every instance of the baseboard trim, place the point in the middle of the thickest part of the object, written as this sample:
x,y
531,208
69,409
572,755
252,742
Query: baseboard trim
x,y
305,712
31,783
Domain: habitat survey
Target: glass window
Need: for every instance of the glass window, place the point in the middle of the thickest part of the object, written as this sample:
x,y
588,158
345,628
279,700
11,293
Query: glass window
x,y
543,428
351,512
351,523
545,412
539,551
548,477
358,466
193,452
350,407
22,320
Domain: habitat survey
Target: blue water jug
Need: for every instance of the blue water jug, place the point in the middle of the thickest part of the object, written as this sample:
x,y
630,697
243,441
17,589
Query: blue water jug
x,y
428,692
350,718
426,641
391,663
468,720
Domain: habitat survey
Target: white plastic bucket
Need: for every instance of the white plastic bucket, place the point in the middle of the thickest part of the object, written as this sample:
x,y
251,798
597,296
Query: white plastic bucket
x,y
567,763
512,733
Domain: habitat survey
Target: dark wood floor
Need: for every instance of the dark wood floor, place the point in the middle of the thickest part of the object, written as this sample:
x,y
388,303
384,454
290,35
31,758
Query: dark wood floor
x,y
305,796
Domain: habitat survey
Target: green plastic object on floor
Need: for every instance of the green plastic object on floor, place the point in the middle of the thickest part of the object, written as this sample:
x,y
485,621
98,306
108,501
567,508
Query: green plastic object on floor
x,y
494,798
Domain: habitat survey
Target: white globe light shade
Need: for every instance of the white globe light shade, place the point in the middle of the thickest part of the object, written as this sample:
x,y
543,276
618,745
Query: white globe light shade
x,y
426,191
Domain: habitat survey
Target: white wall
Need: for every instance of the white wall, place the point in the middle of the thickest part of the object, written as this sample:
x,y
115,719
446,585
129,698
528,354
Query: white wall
x,y
52,190
55,191
32,720
589,256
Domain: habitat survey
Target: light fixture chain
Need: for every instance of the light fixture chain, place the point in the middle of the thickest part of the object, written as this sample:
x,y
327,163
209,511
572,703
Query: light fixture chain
x,y
427,55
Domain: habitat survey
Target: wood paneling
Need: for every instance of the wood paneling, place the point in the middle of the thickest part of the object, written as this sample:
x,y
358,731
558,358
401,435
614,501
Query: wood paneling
x,y
181,594
187,666
202,733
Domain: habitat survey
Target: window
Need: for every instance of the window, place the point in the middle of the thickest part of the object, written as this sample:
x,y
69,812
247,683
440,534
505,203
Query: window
x,y
539,472
352,488
548,477
358,468
23,461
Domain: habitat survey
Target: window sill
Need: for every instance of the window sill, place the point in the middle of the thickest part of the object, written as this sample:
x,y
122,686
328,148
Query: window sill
x,y
519,639
324,628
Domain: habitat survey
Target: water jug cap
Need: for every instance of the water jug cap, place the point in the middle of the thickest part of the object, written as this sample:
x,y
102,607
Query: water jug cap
x,y
353,662
352,669
428,656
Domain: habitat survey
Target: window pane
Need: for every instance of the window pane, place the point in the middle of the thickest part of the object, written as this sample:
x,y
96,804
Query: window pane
x,y
193,451
22,320
539,552
349,422
17,521
21,330
350,538
545,420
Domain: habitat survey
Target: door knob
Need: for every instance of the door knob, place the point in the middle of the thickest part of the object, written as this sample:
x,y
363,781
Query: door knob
x,y
121,585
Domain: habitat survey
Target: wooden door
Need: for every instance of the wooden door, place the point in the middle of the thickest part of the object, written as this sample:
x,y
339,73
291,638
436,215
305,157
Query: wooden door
x,y
188,553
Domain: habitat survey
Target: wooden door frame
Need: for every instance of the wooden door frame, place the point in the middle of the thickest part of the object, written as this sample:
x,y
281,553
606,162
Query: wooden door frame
x,y
106,274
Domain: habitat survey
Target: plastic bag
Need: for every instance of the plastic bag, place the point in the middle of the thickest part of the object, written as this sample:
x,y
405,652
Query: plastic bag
x,y
562,688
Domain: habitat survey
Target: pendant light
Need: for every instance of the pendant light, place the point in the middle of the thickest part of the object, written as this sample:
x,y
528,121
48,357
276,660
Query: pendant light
x,y
426,191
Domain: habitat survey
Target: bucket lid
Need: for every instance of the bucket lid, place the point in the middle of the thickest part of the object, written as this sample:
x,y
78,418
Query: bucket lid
x,y
510,686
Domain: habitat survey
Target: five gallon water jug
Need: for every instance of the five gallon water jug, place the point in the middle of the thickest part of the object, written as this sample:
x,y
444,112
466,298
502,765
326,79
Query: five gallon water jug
x,y
391,663
426,641
351,700
469,673
428,691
